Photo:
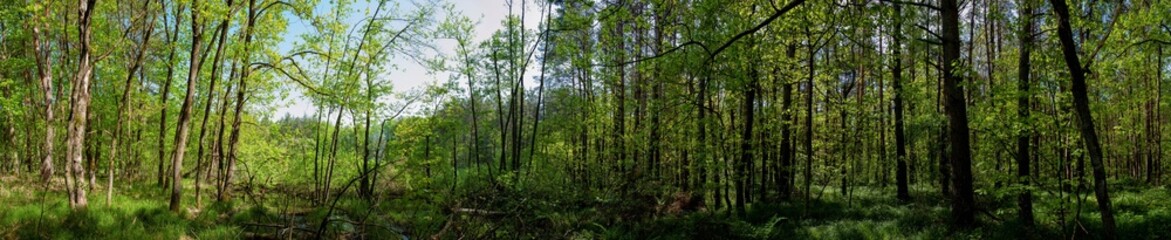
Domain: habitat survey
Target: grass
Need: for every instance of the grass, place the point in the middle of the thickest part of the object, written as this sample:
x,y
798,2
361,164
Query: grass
x,y
553,211
138,214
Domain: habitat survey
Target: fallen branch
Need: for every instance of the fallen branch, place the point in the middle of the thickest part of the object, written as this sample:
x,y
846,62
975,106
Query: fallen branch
x,y
477,211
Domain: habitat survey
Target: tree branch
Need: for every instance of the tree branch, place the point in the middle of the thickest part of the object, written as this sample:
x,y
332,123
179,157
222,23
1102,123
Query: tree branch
x,y
925,29
918,4
659,55
776,14
712,54
929,41
256,66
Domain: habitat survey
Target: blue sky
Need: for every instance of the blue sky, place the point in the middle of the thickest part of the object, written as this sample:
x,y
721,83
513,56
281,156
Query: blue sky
x,y
409,75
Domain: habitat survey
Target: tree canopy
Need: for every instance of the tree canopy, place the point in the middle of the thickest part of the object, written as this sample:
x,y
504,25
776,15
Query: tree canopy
x,y
583,119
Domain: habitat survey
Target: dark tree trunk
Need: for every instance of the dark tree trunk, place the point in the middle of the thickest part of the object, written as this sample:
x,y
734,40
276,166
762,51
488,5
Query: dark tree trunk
x,y
785,175
746,154
903,194
808,140
1025,199
963,207
1081,104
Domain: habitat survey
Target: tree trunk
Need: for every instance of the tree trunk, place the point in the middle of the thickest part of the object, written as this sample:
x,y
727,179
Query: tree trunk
x,y
1024,68
140,53
746,154
1081,104
166,88
541,88
963,207
808,141
185,112
45,72
785,175
79,99
225,193
222,35
903,192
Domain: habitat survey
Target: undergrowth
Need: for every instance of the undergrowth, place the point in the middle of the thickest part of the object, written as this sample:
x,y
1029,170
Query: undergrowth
x,y
508,208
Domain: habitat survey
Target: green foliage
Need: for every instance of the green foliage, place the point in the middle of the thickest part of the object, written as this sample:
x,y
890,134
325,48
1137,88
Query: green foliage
x,y
591,124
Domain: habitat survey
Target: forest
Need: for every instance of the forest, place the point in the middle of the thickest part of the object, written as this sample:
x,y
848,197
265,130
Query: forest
x,y
584,119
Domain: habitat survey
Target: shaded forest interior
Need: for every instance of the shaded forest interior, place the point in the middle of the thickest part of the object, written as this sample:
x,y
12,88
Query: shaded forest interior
x,y
584,119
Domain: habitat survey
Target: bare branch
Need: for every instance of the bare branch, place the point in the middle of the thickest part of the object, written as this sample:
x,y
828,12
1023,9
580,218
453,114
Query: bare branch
x,y
766,22
263,65
712,54
918,4
925,29
929,41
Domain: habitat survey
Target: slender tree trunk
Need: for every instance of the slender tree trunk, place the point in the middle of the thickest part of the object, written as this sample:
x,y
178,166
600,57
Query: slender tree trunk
x,y
185,112
540,87
746,151
499,112
808,141
1158,151
1024,68
222,32
45,72
325,188
134,68
941,146
903,192
472,102
1081,104
173,35
366,186
518,92
785,175
226,184
219,154
319,147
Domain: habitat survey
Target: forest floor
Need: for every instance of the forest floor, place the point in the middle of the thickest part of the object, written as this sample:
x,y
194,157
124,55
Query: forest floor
x,y
140,212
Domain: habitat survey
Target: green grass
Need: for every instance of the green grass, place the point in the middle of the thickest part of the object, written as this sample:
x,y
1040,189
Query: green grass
x,y
138,214
554,211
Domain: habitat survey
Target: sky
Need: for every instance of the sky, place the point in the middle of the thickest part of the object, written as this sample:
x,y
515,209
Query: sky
x,y
408,75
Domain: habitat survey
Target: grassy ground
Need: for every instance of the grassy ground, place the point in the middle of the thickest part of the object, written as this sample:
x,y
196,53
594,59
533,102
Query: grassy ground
x,y
140,212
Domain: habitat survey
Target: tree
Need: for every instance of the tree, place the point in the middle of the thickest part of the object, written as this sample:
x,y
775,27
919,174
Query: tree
x,y
145,33
196,62
1081,104
963,206
903,193
221,33
79,100
42,53
173,36
1023,154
